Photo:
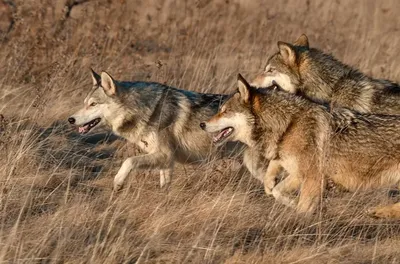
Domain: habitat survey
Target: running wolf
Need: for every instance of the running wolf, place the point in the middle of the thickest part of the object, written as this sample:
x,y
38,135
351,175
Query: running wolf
x,y
311,142
161,120
297,68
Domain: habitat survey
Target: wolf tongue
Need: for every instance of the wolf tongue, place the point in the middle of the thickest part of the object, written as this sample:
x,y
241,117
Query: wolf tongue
x,y
224,132
219,135
83,129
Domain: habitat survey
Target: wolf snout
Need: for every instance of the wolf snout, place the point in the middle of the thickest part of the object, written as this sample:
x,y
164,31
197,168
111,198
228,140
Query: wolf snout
x,y
71,120
203,125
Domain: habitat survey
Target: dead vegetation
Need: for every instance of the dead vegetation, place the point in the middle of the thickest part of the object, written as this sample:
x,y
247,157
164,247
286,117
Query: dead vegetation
x,y
56,204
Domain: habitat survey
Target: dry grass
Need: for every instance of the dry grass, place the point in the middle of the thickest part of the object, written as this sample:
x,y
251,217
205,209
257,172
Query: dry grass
x,y
56,204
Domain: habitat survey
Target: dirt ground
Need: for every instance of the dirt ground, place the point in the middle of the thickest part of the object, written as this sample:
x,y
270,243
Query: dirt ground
x,y
56,199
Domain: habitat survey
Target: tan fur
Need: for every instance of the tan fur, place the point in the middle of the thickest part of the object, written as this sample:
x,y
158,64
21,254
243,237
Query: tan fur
x,y
257,104
216,117
312,142
259,80
389,211
274,168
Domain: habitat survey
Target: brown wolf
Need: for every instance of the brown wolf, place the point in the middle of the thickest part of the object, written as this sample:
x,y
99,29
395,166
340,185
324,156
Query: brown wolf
x,y
311,141
297,68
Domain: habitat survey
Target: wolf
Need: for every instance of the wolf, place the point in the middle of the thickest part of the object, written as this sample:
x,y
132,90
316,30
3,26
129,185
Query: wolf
x,y
299,69
311,141
162,121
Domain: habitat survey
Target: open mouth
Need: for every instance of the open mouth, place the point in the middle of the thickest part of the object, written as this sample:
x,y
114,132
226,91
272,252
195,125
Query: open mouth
x,y
88,126
222,134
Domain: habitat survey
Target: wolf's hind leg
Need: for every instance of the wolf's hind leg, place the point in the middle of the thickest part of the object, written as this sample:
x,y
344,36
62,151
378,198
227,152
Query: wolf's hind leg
x,y
165,176
310,194
287,185
149,161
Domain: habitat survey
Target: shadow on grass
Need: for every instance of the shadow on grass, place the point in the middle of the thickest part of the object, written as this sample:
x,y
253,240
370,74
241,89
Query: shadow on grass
x,y
87,156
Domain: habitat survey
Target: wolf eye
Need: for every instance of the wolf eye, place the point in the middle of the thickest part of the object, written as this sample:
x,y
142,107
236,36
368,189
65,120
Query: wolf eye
x,y
270,69
93,104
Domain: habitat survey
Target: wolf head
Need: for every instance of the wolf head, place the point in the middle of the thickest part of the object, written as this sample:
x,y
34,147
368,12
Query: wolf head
x,y
234,121
97,103
283,67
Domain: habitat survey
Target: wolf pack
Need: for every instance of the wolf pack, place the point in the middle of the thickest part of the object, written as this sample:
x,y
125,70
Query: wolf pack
x,y
305,120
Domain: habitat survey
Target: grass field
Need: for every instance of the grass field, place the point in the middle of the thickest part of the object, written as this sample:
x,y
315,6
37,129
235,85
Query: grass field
x,y
56,199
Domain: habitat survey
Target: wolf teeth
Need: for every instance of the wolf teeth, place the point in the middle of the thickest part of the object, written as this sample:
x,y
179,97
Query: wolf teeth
x,y
222,134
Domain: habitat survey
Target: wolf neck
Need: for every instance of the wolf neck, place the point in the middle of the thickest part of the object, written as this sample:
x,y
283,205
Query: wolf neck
x,y
134,107
321,75
124,123
273,115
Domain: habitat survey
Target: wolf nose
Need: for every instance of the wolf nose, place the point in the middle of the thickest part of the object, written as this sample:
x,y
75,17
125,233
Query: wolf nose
x,y
203,125
71,120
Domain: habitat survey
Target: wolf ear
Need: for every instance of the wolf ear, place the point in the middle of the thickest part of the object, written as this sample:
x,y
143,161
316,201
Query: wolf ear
x,y
302,41
108,84
95,77
244,89
287,52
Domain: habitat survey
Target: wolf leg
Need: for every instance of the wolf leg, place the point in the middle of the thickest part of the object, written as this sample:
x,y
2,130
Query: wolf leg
x,y
310,194
389,211
149,161
252,161
289,184
273,170
165,176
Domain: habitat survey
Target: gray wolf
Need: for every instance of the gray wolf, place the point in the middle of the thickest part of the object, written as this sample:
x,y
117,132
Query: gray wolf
x,y
311,142
299,69
161,120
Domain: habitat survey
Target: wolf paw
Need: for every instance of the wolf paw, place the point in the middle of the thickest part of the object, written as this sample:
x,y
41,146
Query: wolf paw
x,y
385,212
165,186
268,191
117,186
164,183
284,199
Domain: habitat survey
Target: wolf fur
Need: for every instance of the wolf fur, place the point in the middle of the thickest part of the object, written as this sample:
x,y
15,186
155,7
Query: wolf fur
x,y
311,142
297,68
162,121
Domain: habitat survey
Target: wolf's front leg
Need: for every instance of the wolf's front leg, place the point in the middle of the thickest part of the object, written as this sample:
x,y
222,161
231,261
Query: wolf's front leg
x,y
274,168
149,161
280,191
255,163
389,211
